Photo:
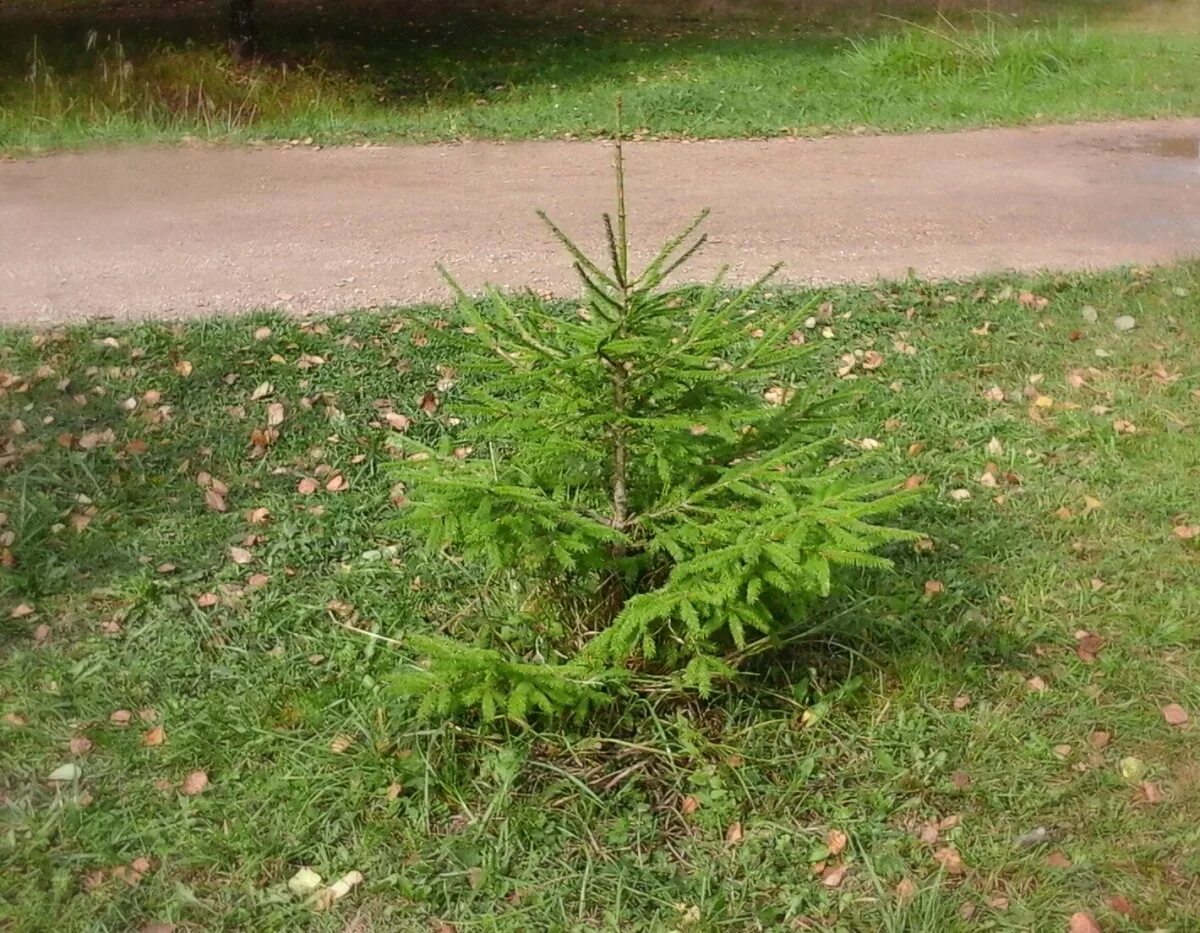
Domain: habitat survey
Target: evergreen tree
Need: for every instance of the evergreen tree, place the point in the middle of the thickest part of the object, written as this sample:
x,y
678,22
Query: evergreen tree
x,y
647,493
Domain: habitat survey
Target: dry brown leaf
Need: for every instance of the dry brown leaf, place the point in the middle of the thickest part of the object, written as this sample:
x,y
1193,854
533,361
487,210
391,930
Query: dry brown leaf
x,y
906,890
307,486
214,500
1091,503
1150,792
21,611
929,833
934,587
259,516
1062,751
1036,684
833,877
152,738
429,403
1120,904
340,743
1057,859
256,580
397,422
1088,647
961,780
948,857
1083,923
16,720
1186,532
733,835
195,783
41,633
915,481
872,360
393,791
120,717
262,333
835,841
1064,514
962,701
205,600
262,390
184,368
994,394
1099,739
240,556
1174,714
1124,427
79,745
689,805
337,483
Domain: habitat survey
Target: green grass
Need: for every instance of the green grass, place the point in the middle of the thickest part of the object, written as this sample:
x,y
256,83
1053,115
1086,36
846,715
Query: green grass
x,y
561,830
85,78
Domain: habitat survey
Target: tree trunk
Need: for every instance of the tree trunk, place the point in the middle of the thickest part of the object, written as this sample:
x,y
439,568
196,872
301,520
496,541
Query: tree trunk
x,y
243,30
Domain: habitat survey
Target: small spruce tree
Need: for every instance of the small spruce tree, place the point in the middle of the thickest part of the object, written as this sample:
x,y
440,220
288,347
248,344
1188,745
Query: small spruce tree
x,y
642,487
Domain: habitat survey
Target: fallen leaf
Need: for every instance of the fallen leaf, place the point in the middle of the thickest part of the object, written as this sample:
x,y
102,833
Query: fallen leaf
x,y
1174,714
1057,859
689,805
262,333
67,772
1132,768
1083,923
1031,301
950,859
906,890
835,841
340,743
239,555
872,360
1124,427
21,611
397,422
258,516
1120,905
915,481
79,745
205,600
304,882
429,403
1150,792
1064,514
41,633
994,394
258,579
16,720
275,414
960,495
184,368
1091,503
1088,647
307,486
337,483
962,701
967,911
194,784
934,587
393,791
262,390
961,780
1036,684
214,500
929,833
998,902
833,877
152,738
1099,739
778,395
915,449
339,889
1186,532
120,717
733,835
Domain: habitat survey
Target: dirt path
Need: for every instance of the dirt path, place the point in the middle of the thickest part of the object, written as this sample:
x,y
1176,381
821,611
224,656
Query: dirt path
x,y
182,232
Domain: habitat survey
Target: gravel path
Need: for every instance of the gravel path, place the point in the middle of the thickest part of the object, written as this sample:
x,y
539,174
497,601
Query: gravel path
x,y
133,233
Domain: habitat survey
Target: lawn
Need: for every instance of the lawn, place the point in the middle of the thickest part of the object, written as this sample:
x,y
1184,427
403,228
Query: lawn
x,y
80,73
202,617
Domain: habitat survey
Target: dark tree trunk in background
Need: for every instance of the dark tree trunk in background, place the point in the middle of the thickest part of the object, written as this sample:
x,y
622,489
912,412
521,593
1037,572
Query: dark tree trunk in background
x,y
243,30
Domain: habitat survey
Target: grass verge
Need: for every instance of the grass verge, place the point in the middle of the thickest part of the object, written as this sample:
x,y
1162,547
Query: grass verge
x,y
953,707
90,78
